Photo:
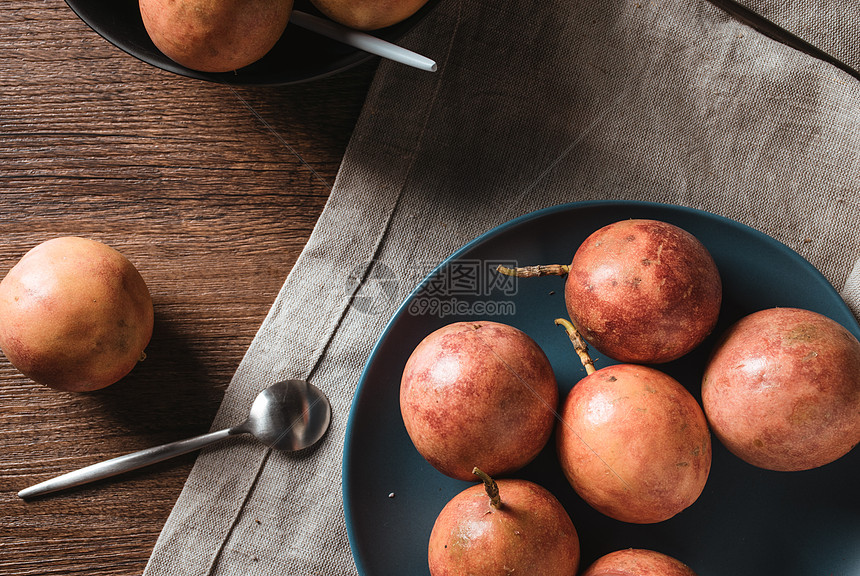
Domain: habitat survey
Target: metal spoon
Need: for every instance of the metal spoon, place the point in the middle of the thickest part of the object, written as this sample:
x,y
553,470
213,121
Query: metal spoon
x,y
361,40
288,416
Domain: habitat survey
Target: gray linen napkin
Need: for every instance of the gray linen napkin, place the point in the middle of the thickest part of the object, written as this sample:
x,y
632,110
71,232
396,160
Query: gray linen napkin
x,y
833,27
669,101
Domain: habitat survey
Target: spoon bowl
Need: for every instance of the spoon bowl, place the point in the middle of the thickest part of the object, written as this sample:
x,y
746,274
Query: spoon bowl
x,y
289,416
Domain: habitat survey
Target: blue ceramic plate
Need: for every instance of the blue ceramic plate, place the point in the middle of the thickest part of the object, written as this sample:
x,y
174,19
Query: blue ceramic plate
x,y
298,56
747,522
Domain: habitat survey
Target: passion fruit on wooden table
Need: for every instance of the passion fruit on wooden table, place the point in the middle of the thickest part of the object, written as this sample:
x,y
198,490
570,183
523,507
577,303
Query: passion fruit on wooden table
x,y
75,314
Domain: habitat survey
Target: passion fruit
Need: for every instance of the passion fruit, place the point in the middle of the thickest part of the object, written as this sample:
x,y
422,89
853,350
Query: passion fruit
x,y
75,315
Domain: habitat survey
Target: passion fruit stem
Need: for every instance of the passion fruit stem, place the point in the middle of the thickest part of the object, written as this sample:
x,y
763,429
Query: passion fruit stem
x,y
535,271
579,344
490,486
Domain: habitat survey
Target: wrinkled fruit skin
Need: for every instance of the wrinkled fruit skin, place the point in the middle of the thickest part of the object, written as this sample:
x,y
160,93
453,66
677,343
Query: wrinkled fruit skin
x,y
478,394
637,562
530,534
215,35
75,315
368,14
643,291
634,443
782,389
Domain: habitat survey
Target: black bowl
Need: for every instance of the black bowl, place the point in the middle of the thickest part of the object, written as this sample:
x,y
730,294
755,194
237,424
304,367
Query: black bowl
x,y
299,55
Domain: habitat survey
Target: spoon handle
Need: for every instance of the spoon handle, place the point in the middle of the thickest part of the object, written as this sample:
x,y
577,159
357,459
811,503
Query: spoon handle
x,y
125,463
361,40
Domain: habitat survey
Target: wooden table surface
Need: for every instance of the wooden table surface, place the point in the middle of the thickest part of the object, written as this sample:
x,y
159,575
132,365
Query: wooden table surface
x,y
211,192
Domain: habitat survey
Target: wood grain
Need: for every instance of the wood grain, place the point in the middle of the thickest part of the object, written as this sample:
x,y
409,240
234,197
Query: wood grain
x,y
211,192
